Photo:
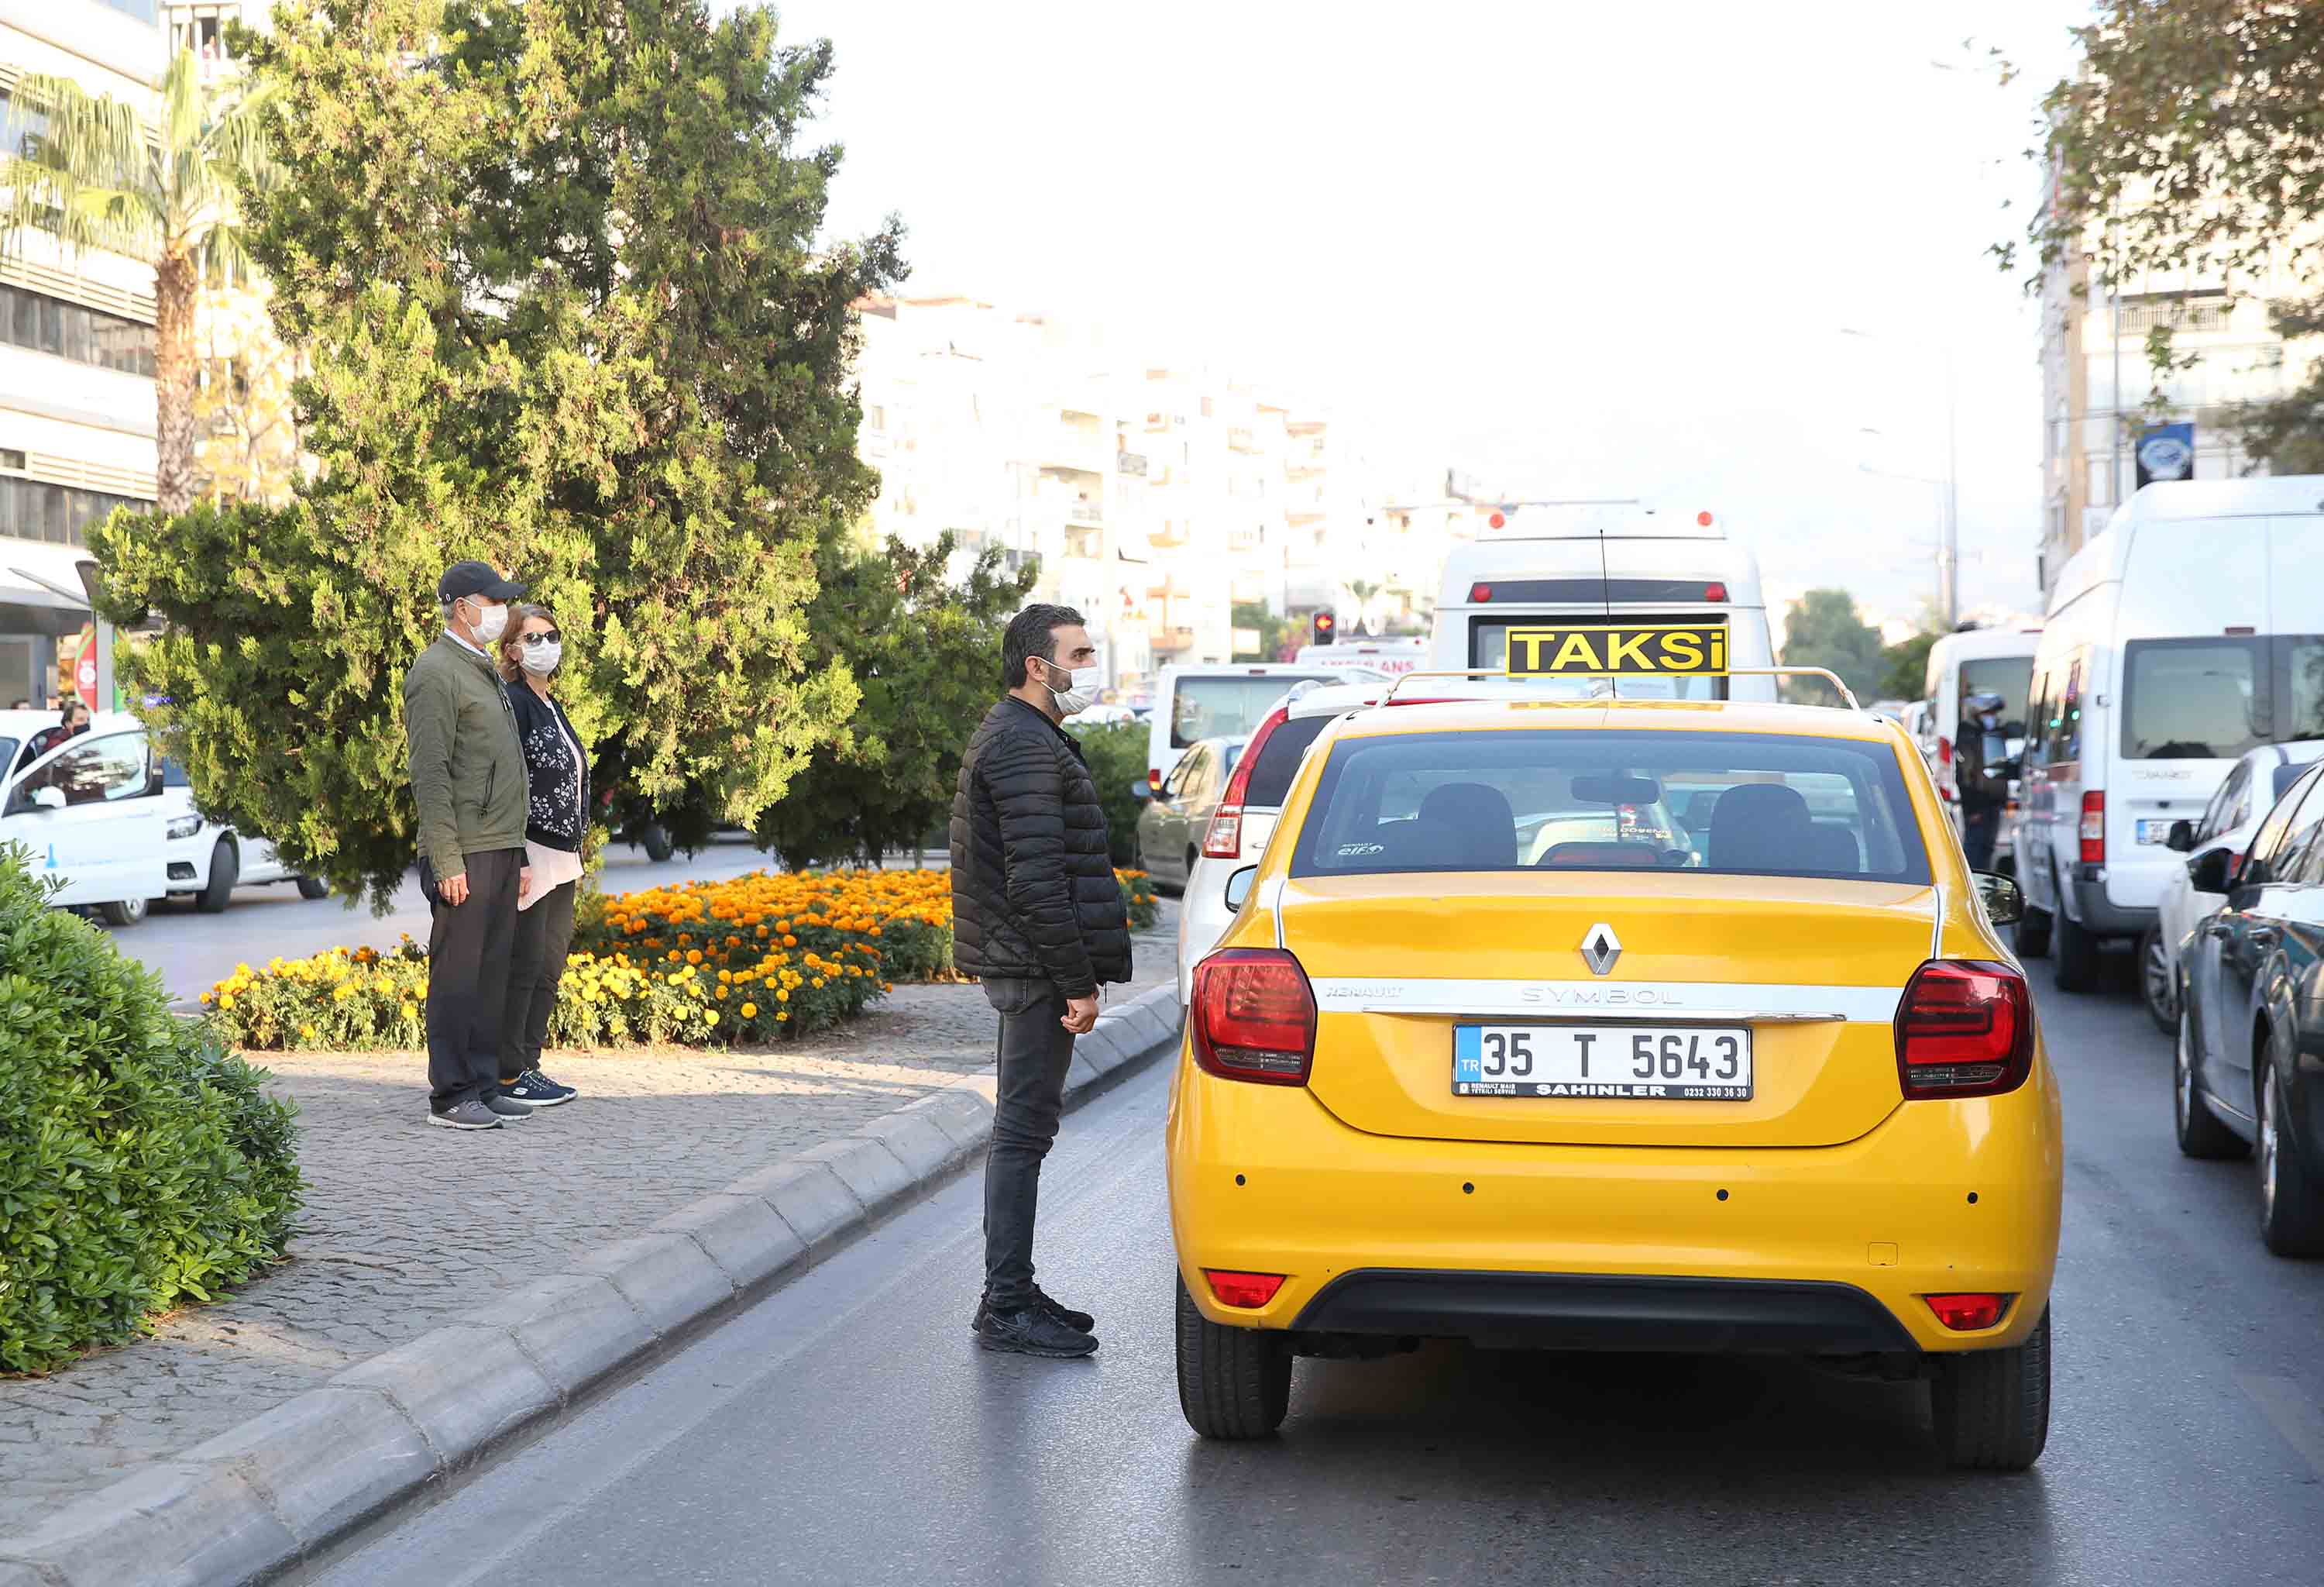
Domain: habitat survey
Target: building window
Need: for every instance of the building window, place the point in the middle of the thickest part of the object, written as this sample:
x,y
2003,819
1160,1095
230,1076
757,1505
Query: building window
x,y
69,330
35,510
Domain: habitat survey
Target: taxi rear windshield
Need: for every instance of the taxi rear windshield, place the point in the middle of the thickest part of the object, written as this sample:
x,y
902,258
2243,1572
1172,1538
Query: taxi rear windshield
x,y
1742,804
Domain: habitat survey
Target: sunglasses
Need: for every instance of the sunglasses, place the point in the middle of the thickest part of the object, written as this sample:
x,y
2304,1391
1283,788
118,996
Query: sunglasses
x,y
554,636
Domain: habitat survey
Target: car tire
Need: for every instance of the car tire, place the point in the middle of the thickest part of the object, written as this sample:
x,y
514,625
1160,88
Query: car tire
x,y
226,870
1991,1407
1234,1383
2158,980
2076,967
2031,936
125,911
2200,1132
314,887
655,840
2291,1198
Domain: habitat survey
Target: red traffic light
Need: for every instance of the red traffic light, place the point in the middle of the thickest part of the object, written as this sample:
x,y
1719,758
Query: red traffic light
x,y
1325,626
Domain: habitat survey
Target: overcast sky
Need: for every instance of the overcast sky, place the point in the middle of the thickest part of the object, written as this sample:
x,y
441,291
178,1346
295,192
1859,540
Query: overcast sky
x,y
1578,249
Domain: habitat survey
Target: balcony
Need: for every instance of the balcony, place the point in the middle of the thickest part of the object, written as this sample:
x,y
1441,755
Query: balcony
x,y
1168,640
1168,534
1086,543
1240,440
1089,515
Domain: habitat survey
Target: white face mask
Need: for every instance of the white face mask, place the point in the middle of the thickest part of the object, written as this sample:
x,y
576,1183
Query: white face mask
x,y
1082,689
541,660
492,621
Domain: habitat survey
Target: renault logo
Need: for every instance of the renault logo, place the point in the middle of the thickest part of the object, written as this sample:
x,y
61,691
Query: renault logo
x,y
1600,947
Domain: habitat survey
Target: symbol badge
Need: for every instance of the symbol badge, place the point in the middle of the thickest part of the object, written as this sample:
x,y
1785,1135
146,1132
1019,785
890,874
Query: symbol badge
x,y
1600,947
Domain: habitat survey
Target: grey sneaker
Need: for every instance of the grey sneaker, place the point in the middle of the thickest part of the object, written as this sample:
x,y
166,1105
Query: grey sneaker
x,y
507,1110
469,1115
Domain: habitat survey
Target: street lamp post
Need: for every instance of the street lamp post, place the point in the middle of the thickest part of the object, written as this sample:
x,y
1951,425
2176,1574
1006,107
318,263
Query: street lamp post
x,y
1949,517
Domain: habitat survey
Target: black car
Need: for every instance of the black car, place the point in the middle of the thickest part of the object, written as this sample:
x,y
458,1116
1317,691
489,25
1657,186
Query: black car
x,y
2250,1065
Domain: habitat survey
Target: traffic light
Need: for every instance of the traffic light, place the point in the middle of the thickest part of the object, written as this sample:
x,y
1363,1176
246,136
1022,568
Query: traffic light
x,y
1326,627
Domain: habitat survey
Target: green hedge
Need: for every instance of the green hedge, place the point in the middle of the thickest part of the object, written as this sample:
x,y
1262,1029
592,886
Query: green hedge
x,y
141,1165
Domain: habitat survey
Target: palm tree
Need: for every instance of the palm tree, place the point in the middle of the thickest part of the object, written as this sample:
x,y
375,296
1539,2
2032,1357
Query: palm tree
x,y
97,176
1366,592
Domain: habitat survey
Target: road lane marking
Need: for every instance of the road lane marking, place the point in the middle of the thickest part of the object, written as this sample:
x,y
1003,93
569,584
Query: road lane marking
x,y
2287,1411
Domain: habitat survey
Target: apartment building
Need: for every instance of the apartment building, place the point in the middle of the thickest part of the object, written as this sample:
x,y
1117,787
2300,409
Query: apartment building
x,y
2100,394
76,357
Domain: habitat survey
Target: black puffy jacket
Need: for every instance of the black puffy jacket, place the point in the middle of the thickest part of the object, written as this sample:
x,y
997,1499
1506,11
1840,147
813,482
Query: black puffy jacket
x,y
1033,890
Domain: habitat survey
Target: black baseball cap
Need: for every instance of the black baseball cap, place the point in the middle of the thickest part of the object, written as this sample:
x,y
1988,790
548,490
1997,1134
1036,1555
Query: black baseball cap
x,y
476,578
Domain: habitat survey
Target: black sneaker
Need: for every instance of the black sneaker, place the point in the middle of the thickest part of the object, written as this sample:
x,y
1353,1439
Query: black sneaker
x,y
536,1090
505,1111
467,1115
1030,1331
1081,1322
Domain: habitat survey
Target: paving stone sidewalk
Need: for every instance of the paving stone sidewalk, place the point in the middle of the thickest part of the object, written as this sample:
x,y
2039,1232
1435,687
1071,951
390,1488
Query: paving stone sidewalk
x,y
405,1225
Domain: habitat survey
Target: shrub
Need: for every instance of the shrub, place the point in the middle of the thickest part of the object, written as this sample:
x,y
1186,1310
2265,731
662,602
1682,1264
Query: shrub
x,y
752,958
1116,753
141,1164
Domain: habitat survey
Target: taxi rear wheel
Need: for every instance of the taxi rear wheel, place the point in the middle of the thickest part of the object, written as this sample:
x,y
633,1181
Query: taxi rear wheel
x,y
1991,1407
1232,1383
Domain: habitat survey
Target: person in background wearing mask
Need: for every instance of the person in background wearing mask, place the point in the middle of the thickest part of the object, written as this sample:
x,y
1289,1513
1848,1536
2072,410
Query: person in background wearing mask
x,y
1977,743
468,779
73,723
556,770
1037,916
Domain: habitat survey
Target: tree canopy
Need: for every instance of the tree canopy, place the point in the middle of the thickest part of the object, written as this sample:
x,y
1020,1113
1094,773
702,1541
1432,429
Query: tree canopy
x,y
555,269
1825,630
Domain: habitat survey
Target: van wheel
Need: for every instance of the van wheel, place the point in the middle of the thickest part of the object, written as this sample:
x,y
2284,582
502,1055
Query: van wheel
x,y
2077,965
1991,1407
124,911
2031,936
2158,983
226,870
2291,1198
314,887
1232,1383
2200,1134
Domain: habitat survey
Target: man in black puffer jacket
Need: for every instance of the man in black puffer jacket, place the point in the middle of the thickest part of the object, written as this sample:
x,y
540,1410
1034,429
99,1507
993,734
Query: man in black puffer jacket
x,y
1037,917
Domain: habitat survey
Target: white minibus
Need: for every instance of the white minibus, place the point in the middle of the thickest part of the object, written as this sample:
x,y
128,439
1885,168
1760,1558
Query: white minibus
x,y
2188,633
1618,574
1385,657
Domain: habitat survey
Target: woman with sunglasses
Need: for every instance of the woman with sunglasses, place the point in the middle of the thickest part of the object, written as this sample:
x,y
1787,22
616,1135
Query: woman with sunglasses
x,y
557,770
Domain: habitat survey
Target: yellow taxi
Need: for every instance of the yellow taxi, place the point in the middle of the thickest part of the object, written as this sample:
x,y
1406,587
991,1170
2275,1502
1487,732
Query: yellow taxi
x,y
1617,1024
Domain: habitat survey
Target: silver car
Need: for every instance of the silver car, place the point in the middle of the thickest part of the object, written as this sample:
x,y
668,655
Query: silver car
x,y
1170,829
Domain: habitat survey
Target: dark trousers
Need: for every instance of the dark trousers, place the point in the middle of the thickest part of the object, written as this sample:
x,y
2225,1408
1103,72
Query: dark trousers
x,y
544,935
1978,829
1034,1053
468,980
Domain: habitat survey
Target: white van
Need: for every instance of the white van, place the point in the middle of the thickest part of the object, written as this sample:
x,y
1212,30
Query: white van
x,y
2192,631
1385,657
1982,660
89,811
1222,699
1611,569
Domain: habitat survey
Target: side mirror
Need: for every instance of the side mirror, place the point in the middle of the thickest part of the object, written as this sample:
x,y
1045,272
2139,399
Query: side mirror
x,y
2005,905
2183,837
49,799
2210,871
1139,791
1239,888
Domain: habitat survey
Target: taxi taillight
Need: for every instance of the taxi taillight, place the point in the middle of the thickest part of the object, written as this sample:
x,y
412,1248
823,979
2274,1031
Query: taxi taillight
x,y
1964,1027
1253,1017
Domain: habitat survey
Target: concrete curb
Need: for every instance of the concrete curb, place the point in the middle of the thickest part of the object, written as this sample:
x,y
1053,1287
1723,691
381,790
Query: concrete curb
x,y
282,1488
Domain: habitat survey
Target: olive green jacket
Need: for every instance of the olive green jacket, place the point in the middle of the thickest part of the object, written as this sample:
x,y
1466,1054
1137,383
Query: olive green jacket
x,y
467,765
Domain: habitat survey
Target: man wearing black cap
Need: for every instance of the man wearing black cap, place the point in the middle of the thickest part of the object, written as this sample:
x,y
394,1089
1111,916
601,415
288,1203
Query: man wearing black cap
x,y
468,779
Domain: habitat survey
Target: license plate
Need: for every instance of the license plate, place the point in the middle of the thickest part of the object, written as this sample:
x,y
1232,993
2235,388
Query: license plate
x,y
2155,832
1673,1063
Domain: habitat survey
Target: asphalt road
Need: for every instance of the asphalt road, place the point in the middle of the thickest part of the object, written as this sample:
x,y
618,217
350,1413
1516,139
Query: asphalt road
x,y
844,1430
194,951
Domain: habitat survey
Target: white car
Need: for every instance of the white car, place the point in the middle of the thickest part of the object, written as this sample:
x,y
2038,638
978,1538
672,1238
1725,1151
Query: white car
x,y
1245,814
2253,785
87,812
208,860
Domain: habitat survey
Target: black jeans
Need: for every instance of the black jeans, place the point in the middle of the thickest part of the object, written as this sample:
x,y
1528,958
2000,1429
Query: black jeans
x,y
468,980
544,935
1978,829
1034,1053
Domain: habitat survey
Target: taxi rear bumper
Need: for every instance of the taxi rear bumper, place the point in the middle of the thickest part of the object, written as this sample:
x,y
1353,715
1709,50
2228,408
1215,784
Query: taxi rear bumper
x,y
1632,1248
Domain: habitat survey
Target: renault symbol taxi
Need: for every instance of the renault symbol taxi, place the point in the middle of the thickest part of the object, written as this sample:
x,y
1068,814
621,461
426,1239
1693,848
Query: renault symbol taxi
x,y
1605,1023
